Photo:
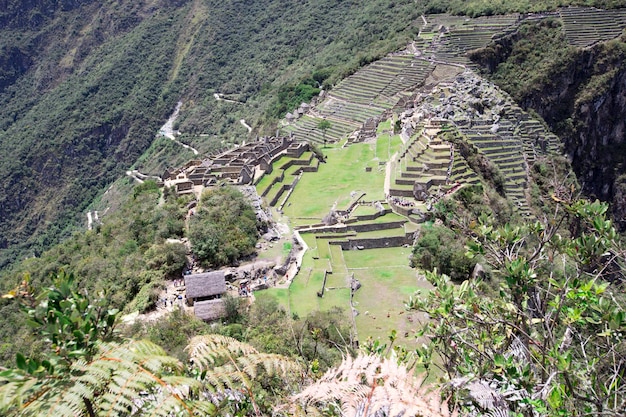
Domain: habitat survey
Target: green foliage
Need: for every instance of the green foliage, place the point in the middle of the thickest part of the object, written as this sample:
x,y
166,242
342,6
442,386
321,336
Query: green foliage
x,y
170,258
84,373
442,249
324,125
70,323
554,332
290,97
476,160
320,338
149,186
226,363
171,332
538,51
222,209
126,258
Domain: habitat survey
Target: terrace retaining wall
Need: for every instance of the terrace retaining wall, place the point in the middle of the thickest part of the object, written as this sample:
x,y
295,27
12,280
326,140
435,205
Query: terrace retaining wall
x,y
373,243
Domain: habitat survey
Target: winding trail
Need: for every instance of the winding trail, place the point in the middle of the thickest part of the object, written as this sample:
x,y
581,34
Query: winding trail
x,y
246,125
168,129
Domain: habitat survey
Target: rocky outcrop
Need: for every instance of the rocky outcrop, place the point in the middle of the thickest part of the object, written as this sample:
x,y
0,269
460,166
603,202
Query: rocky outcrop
x,y
586,106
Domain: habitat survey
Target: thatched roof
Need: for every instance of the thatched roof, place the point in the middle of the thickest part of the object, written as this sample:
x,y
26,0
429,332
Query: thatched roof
x,y
210,309
205,284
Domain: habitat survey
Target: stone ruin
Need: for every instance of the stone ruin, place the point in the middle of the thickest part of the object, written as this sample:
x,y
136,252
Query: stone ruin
x,y
241,165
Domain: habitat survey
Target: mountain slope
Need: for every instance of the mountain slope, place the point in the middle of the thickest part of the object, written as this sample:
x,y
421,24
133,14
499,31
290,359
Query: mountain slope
x,y
85,85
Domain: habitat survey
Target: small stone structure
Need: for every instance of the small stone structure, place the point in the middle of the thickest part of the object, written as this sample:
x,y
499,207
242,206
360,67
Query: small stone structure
x,y
204,292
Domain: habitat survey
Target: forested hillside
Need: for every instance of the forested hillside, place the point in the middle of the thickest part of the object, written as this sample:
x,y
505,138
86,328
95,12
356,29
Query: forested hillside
x,y
84,87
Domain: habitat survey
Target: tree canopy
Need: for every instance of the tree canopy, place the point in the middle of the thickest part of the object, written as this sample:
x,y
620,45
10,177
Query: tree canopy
x,y
224,228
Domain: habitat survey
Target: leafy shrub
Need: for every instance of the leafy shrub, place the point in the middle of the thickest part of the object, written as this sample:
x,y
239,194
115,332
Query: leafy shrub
x,y
223,209
441,248
170,258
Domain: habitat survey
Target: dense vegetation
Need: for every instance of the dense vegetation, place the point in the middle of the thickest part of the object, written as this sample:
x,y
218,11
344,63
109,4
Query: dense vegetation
x,y
548,324
224,228
126,259
542,338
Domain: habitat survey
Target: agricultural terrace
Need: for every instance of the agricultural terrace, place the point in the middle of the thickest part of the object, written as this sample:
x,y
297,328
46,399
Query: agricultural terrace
x,y
351,182
586,26
365,94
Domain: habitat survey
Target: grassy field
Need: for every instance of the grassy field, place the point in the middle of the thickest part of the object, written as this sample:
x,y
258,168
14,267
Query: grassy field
x,y
386,282
386,278
335,182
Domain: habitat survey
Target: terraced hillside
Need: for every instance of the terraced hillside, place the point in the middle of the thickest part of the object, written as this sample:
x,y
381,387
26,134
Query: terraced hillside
x,y
490,121
398,140
370,92
587,26
453,38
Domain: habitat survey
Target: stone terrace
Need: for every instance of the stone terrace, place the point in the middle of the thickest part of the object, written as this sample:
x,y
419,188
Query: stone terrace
x,y
242,165
423,166
492,123
367,94
586,26
453,37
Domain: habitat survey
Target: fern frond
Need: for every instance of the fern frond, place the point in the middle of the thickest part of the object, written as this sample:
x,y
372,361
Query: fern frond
x,y
369,385
135,377
207,350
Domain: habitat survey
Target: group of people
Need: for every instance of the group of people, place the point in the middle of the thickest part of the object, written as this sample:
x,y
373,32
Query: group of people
x,y
171,300
401,202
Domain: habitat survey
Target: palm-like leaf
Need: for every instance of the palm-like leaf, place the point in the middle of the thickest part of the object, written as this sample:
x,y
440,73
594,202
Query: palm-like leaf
x,y
229,363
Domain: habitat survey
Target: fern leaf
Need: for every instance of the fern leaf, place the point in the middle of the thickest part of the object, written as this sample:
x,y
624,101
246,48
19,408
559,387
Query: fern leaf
x,y
369,385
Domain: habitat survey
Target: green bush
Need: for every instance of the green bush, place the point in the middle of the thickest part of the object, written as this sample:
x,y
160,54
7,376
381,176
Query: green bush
x,y
441,248
223,209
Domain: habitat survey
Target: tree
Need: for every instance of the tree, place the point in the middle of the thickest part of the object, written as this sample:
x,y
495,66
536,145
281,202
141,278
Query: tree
x,y
324,125
439,247
550,341
223,209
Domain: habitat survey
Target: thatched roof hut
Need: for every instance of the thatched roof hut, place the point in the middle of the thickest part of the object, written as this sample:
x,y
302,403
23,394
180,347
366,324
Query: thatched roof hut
x,y
205,286
210,309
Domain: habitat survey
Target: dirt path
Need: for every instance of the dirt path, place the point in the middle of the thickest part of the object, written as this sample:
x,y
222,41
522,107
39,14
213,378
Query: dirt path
x,y
389,166
168,301
219,97
247,126
168,131
134,176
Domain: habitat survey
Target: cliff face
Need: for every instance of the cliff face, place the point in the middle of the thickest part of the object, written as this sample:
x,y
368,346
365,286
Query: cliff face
x,y
582,96
585,104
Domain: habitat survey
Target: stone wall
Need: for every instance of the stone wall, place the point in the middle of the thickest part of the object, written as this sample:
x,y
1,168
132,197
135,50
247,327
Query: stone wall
x,y
373,243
